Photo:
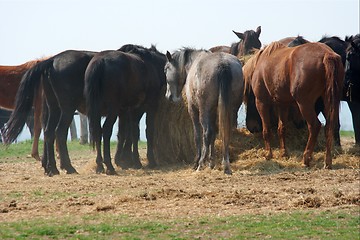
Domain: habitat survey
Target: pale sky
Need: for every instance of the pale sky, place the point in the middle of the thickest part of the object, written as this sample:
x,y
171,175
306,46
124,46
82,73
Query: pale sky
x,y
31,29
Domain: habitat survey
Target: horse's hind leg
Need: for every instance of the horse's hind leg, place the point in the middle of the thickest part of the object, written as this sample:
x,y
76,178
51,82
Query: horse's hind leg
x,y
314,126
49,138
194,114
264,111
107,131
207,136
212,144
61,137
37,130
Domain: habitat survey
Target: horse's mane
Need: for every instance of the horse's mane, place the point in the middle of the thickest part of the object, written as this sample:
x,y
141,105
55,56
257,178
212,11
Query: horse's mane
x,y
183,55
269,49
327,38
145,53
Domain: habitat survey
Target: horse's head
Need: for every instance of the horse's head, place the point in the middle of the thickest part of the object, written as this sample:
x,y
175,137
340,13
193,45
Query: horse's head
x,y
299,40
250,40
174,82
352,64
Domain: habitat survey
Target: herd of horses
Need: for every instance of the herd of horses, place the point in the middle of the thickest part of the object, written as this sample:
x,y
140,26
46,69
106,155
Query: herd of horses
x,y
290,79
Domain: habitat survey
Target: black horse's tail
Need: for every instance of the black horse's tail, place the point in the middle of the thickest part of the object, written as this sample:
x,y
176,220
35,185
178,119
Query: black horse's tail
x,y
94,95
29,86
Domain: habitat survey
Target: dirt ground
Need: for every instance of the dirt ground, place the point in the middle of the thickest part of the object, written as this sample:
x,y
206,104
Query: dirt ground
x,y
176,191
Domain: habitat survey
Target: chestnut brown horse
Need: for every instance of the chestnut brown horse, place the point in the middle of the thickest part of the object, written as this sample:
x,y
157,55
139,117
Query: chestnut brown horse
x,y
10,77
279,75
213,85
248,41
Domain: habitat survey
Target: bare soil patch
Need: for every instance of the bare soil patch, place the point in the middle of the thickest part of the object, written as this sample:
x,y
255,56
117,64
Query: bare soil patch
x,y
176,191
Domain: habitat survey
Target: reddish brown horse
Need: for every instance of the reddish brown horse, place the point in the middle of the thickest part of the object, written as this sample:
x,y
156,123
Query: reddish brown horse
x,y
10,77
280,76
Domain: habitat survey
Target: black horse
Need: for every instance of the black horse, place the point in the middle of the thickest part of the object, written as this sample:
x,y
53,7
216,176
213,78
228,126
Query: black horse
x,y
123,83
62,79
352,82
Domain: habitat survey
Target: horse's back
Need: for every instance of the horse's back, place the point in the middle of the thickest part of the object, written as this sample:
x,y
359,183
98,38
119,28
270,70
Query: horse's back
x,y
206,74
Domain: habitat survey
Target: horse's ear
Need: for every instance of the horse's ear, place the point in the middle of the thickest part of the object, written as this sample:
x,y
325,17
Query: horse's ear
x,y
168,56
240,35
348,39
357,49
258,31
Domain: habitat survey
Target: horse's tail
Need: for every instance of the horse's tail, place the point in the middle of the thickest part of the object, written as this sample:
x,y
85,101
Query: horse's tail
x,y
29,87
334,72
94,95
225,105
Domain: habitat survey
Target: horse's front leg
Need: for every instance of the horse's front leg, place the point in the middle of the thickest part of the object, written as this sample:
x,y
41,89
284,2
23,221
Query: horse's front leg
x,y
283,112
355,113
123,150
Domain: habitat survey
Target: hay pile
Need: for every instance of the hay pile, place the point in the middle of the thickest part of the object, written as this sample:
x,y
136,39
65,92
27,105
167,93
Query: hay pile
x,y
173,135
174,143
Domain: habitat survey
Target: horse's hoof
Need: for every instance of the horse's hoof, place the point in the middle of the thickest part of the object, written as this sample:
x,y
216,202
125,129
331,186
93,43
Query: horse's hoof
x,y
139,166
268,156
152,165
100,170
211,165
111,172
71,171
51,173
36,156
306,165
122,164
227,172
326,166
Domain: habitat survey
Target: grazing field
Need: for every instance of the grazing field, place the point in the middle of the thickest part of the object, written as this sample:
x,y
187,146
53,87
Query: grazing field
x,y
262,199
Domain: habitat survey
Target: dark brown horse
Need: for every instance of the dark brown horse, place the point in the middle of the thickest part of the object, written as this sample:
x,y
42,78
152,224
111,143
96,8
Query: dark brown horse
x,y
10,77
119,83
62,80
280,76
213,85
249,40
